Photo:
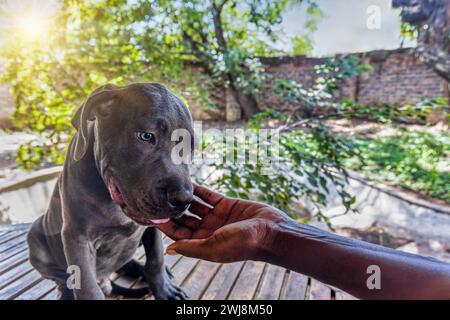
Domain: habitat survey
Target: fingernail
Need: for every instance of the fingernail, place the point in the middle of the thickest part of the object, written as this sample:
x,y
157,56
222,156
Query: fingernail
x,y
171,252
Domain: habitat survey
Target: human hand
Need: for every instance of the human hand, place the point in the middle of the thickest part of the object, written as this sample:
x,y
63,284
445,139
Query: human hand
x,y
229,230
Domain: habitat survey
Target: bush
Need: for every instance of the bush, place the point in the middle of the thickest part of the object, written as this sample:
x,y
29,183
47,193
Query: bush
x,y
417,160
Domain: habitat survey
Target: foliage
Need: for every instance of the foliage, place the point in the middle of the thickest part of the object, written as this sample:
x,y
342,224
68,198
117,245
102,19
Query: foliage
x,y
226,37
90,43
87,46
311,159
331,75
302,44
408,31
310,164
338,69
386,113
251,74
417,160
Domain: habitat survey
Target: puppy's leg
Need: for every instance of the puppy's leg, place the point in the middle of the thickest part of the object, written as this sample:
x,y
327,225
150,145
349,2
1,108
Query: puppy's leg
x,y
80,253
156,273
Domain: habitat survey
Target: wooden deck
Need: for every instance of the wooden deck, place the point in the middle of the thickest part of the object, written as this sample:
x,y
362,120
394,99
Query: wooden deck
x,y
200,279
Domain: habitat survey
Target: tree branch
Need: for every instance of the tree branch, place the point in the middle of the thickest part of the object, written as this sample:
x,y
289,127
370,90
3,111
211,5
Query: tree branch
x,y
432,19
217,21
195,48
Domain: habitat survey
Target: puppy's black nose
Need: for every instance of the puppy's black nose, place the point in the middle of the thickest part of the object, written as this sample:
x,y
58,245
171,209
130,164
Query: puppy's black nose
x,y
180,199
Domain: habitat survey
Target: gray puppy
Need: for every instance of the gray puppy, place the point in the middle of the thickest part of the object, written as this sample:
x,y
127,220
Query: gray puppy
x,y
118,180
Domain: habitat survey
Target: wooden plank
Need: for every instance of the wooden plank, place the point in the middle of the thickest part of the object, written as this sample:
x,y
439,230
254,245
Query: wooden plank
x,y
171,261
182,269
14,260
51,295
19,286
295,287
199,279
13,251
247,282
10,235
3,232
341,295
167,242
223,281
15,227
15,273
36,292
271,283
319,291
13,242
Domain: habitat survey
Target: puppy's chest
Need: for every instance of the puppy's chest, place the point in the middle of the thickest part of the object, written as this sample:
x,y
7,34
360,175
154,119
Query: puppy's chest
x,y
114,247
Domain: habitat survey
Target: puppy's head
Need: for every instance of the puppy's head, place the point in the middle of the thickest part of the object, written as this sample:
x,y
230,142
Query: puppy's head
x,y
133,148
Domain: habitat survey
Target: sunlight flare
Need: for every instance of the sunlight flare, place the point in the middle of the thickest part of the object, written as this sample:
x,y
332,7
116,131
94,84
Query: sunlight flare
x,y
31,25
28,20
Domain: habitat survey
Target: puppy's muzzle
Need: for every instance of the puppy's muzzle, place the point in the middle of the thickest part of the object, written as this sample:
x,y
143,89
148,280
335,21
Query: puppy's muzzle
x,y
179,200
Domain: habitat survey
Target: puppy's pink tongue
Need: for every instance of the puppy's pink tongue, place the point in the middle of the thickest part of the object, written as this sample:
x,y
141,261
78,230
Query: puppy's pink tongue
x,y
160,221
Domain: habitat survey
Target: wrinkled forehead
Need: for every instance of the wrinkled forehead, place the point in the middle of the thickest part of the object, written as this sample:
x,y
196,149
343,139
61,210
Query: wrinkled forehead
x,y
153,107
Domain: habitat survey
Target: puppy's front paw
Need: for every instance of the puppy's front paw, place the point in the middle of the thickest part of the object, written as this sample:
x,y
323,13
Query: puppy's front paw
x,y
170,292
164,289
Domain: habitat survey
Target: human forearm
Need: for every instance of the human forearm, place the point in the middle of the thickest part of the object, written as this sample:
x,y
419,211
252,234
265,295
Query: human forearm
x,y
235,230
343,263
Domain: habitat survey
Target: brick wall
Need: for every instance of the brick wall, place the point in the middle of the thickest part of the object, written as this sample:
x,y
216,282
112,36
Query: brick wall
x,y
397,77
299,69
218,97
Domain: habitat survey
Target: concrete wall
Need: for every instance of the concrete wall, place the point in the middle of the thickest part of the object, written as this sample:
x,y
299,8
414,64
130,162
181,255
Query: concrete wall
x,y
6,106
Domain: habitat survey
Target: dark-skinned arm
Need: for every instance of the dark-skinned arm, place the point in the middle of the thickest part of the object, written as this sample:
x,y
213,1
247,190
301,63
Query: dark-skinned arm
x,y
235,230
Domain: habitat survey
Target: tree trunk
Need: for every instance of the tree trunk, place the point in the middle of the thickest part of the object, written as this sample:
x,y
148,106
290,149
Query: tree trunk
x,y
247,102
432,19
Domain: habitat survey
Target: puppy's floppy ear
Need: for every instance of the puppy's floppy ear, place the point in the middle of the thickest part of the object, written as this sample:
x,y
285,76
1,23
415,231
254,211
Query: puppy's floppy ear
x,y
98,103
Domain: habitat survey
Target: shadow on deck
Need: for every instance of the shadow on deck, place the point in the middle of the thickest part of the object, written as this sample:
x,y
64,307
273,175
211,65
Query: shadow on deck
x,y
200,279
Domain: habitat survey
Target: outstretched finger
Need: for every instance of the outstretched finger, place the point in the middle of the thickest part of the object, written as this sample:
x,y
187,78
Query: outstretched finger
x,y
207,195
207,249
196,248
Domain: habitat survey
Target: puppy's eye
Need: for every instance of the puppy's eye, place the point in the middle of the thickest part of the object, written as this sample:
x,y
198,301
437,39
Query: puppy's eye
x,y
146,137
